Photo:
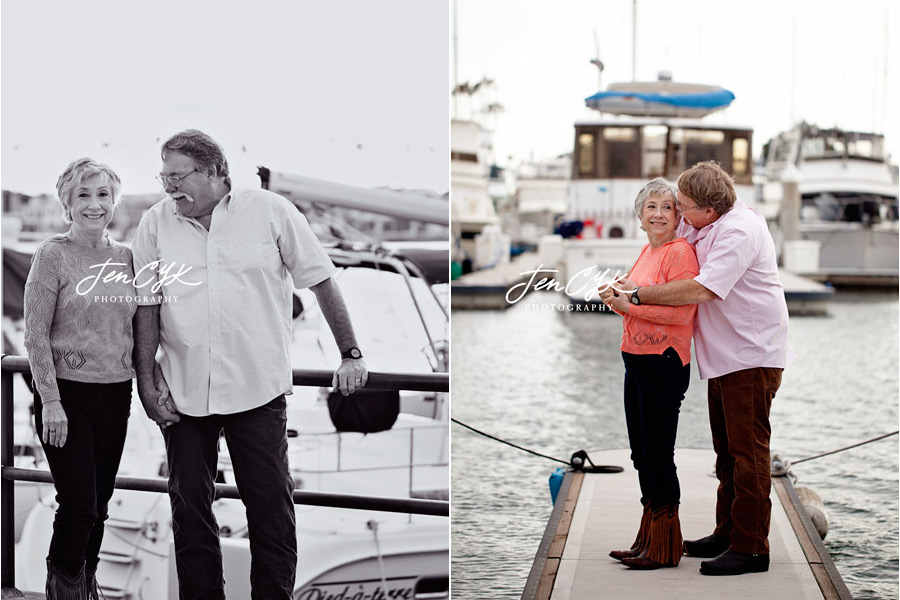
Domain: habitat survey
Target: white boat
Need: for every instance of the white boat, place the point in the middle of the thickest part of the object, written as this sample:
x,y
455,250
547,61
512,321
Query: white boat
x,y
476,228
848,201
645,130
399,309
541,197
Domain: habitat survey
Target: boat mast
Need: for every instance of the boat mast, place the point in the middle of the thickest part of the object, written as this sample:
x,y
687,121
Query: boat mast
x,y
884,72
634,40
455,67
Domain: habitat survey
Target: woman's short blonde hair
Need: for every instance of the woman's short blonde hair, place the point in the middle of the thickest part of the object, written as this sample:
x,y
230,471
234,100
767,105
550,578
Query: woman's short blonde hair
x,y
78,171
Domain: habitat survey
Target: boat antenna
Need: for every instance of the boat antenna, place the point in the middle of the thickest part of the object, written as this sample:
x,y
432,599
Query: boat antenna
x,y
597,62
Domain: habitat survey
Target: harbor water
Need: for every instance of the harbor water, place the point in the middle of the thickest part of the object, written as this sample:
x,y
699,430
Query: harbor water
x,y
550,379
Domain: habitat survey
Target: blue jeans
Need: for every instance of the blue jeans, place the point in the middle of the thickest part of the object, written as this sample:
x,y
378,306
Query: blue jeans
x,y
84,469
257,442
654,388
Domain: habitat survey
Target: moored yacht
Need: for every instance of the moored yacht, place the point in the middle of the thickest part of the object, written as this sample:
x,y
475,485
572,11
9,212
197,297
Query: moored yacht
x,y
848,201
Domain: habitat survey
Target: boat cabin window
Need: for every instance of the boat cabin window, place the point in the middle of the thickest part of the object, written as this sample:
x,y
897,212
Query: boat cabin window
x,y
740,157
861,148
586,153
731,149
701,145
848,208
644,152
654,163
622,151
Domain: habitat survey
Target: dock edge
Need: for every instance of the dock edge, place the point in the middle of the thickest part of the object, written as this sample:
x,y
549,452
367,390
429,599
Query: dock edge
x,y
831,584
540,581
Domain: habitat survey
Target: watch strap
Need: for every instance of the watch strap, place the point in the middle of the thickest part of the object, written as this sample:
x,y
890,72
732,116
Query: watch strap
x,y
352,352
634,297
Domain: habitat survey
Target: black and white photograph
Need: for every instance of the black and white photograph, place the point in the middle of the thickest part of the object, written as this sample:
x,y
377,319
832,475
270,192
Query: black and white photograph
x,y
226,241
675,251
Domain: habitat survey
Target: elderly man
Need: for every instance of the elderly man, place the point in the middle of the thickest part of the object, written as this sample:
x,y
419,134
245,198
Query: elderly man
x,y
215,269
740,336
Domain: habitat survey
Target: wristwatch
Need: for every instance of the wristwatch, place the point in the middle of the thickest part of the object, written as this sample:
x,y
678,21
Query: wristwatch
x,y
351,353
634,297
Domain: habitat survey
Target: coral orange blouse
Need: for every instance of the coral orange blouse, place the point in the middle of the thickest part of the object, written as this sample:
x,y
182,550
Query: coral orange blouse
x,y
648,328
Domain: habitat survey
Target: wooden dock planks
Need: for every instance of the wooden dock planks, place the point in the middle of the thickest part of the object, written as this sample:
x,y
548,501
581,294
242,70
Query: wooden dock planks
x,y
606,515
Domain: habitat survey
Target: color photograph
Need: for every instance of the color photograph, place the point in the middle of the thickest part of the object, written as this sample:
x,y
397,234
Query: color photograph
x,y
674,300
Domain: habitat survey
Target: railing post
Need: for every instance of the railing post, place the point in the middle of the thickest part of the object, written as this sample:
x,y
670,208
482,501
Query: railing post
x,y
411,466
7,486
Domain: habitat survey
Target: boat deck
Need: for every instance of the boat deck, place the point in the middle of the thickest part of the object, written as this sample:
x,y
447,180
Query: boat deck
x,y
596,513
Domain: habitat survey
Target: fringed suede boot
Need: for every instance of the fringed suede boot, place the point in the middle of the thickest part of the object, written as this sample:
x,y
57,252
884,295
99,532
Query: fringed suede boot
x,y
641,541
666,545
90,582
62,586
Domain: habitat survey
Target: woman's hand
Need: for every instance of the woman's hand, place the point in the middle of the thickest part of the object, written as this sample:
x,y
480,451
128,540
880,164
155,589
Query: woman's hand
x,y
55,428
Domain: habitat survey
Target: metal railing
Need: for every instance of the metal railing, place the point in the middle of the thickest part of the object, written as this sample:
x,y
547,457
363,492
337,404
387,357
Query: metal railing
x,y
432,382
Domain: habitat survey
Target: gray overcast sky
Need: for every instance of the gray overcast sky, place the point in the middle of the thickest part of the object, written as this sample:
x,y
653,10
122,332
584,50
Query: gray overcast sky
x,y
352,91
823,61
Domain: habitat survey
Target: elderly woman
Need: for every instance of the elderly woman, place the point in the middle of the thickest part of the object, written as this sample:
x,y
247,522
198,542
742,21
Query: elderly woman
x,y
656,348
79,304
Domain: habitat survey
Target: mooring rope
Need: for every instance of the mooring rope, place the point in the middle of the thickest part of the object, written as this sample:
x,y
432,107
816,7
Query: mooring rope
x,y
875,439
580,465
577,461
487,435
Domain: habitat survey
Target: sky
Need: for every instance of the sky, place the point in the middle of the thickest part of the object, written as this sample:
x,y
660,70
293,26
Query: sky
x,y
350,91
827,62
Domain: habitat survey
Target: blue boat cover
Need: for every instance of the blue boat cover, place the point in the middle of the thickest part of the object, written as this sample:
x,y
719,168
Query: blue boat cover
x,y
715,99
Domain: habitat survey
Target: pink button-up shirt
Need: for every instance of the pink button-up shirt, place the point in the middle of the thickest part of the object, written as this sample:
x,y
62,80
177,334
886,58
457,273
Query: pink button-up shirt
x,y
226,298
747,325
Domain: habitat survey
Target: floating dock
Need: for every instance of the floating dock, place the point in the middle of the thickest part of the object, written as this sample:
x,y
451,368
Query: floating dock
x,y
486,289
805,296
596,513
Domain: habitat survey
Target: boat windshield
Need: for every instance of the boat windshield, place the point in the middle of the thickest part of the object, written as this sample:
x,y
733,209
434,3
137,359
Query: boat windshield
x,y
849,208
831,144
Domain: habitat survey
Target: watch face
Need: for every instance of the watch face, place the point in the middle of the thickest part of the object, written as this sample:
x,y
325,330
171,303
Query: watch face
x,y
355,353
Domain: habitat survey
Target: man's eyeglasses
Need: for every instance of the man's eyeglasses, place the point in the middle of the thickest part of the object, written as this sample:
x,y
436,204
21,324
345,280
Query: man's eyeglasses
x,y
173,180
683,209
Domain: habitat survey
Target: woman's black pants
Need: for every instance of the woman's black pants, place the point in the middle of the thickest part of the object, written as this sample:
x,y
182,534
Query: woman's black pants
x,y
654,388
84,469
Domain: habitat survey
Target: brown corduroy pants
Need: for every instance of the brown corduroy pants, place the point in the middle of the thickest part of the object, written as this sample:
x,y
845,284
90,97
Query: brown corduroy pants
x,y
739,405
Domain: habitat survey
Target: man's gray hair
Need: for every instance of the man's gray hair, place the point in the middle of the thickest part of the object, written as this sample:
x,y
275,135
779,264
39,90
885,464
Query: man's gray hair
x,y
202,148
658,186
